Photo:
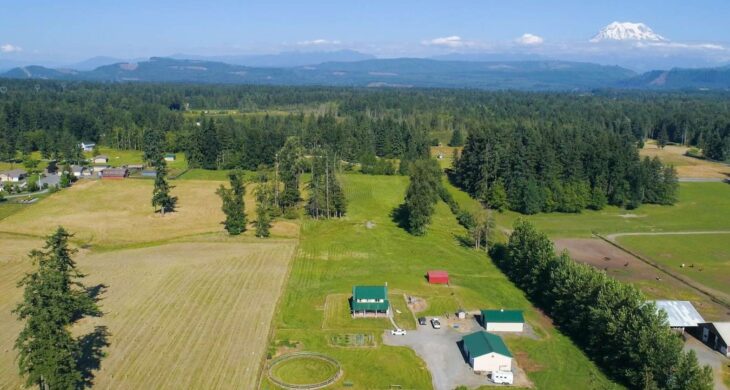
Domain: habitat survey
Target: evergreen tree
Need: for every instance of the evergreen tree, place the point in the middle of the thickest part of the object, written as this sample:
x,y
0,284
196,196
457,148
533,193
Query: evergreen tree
x,y
422,194
497,197
326,198
457,138
153,146
161,197
288,169
53,300
264,203
233,204
662,138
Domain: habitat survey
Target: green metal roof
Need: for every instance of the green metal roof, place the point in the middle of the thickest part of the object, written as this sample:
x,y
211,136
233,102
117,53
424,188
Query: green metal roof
x,y
502,316
481,343
377,293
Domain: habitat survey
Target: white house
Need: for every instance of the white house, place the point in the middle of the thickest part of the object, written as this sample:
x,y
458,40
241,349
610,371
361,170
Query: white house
x,y
486,352
101,159
87,147
503,320
13,176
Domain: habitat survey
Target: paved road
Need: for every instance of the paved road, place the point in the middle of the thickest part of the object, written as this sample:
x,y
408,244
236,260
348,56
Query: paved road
x,y
614,236
705,355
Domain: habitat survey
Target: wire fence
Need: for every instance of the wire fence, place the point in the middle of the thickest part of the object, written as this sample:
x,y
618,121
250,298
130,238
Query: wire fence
x,y
304,355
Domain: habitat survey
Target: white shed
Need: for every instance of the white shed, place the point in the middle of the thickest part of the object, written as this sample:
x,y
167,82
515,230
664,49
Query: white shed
x,y
503,320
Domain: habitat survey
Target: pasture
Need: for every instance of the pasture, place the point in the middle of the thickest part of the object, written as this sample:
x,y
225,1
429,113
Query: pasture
x,y
367,247
120,157
686,166
706,256
112,214
701,206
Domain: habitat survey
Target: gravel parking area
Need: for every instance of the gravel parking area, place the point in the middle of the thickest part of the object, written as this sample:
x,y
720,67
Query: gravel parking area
x,y
441,351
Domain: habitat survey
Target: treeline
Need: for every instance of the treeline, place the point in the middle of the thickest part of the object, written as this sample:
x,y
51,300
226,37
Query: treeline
x,y
567,169
611,321
387,123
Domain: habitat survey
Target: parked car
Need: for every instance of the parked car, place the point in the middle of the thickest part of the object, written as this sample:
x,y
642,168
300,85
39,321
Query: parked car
x,y
422,320
398,332
503,377
435,323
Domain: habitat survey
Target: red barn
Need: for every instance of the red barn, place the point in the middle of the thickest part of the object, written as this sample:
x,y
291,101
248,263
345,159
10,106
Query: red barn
x,y
438,277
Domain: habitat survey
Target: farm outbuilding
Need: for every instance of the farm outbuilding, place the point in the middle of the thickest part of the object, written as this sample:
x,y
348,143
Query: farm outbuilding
x,y
486,352
370,301
170,157
438,277
101,159
717,336
680,314
503,320
114,173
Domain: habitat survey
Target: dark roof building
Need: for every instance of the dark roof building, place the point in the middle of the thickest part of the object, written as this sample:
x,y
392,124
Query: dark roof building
x,y
370,299
114,173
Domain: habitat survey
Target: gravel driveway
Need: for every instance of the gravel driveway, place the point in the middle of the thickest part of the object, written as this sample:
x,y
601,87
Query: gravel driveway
x,y
441,351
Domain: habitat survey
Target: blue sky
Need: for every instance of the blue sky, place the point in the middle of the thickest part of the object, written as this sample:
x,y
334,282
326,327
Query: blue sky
x,y
74,29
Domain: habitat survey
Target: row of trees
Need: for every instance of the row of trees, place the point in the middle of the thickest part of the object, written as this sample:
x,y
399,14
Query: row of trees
x,y
53,300
533,169
394,124
611,321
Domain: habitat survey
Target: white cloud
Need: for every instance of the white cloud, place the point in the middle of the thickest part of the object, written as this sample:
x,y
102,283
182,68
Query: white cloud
x,y
318,42
679,45
528,39
451,41
8,48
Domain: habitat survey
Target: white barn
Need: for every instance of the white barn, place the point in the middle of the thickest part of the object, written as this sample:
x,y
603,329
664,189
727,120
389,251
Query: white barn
x,y
486,352
503,320
680,314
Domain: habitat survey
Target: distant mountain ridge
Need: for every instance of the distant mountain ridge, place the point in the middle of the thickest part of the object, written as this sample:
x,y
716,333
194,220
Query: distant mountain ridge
x,y
400,72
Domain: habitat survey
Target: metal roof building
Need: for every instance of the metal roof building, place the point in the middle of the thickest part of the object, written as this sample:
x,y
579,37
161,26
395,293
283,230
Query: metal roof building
x,y
370,300
680,314
487,352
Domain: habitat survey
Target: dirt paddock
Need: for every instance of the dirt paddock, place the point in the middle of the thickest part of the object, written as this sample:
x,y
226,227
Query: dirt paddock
x,y
656,284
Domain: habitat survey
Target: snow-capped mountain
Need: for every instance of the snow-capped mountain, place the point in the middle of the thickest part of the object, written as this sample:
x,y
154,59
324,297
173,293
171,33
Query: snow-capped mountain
x,y
627,31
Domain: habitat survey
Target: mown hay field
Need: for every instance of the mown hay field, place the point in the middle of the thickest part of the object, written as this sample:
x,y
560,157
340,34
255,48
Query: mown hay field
x,y
117,213
186,306
686,166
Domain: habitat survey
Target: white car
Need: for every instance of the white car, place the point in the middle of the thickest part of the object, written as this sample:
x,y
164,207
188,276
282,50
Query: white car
x,y
398,332
435,323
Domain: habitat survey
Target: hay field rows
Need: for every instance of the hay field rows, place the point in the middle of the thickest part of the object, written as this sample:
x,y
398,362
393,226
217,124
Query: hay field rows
x,y
185,305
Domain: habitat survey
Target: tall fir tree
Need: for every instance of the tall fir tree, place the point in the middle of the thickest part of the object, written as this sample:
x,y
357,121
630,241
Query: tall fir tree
x,y
161,198
264,203
53,299
233,204
288,169
422,194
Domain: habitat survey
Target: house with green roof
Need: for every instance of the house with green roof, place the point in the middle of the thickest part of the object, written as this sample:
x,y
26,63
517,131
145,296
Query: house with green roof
x,y
369,301
486,352
503,320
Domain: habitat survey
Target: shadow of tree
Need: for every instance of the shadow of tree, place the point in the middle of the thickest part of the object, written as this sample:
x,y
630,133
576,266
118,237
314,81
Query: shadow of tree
x,y
464,240
95,291
399,215
91,351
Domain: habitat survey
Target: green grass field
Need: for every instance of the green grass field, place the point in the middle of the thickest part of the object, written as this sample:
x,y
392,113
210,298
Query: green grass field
x,y
335,255
701,206
709,254
304,371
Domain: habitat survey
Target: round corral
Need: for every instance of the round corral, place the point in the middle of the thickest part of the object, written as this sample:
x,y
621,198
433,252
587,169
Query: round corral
x,y
304,370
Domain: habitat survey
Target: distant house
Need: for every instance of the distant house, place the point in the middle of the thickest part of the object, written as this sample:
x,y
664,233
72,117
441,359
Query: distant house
x,y
101,159
78,170
149,173
170,157
370,301
87,147
438,277
717,336
114,173
680,314
503,320
486,352
13,176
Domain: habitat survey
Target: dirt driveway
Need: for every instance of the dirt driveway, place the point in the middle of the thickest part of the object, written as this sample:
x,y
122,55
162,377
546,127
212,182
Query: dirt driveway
x,y
439,348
